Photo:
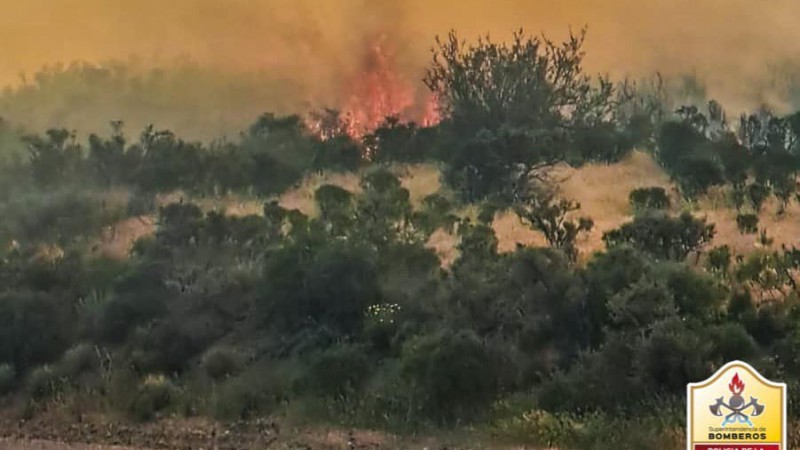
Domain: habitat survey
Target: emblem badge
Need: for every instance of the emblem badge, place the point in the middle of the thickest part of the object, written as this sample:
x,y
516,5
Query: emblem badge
x,y
736,409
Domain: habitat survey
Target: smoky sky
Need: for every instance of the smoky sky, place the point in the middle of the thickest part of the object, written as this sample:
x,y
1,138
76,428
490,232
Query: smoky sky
x,y
738,47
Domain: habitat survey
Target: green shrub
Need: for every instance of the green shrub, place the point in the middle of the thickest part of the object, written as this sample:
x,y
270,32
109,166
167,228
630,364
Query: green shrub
x,y
221,363
597,381
154,395
601,431
139,296
331,288
732,342
239,399
640,305
663,236
35,327
257,390
170,346
696,293
539,428
757,194
335,206
687,155
339,371
389,402
78,360
437,212
697,173
394,140
453,375
44,382
61,216
8,378
719,259
339,153
649,198
747,223
673,355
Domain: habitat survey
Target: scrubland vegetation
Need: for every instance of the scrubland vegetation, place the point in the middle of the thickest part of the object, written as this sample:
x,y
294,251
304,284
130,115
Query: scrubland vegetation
x,y
349,313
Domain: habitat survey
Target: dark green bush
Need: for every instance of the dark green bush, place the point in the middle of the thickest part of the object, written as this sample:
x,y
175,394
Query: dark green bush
x,y
640,306
169,347
78,360
719,259
673,355
731,342
597,380
331,288
688,155
758,193
35,328
257,390
663,236
338,372
139,296
152,397
44,382
339,153
396,141
697,173
452,374
8,378
747,223
696,294
221,363
649,198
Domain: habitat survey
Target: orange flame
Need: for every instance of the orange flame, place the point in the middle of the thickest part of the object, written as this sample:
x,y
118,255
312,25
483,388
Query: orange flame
x,y
378,89
736,385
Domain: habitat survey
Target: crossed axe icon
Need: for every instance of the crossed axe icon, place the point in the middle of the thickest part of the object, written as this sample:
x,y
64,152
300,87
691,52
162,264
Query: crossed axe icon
x,y
737,408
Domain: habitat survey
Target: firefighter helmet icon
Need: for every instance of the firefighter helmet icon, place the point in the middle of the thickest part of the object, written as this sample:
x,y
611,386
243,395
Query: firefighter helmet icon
x,y
735,410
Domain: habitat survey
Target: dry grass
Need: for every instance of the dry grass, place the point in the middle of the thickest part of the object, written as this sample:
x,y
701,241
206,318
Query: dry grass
x,y
601,189
784,228
445,245
603,192
511,231
421,180
301,197
47,252
233,205
116,241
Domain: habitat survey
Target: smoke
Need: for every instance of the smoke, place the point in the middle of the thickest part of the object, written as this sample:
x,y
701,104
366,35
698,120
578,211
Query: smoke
x,y
293,55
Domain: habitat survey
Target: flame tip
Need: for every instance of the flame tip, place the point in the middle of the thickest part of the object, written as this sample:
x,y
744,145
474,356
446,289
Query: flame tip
x,y
736,385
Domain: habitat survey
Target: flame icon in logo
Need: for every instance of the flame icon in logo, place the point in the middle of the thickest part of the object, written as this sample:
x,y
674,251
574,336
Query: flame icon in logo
x,y
736,405
736,385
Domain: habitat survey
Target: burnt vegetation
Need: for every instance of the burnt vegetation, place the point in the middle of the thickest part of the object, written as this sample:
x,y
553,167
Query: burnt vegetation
x,y
348,316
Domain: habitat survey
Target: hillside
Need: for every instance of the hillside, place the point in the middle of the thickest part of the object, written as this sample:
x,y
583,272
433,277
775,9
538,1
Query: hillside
x,y
509,270
601,189
606,203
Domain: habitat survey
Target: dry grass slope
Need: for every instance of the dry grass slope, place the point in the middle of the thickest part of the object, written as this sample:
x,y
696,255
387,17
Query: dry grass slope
x,y
601,189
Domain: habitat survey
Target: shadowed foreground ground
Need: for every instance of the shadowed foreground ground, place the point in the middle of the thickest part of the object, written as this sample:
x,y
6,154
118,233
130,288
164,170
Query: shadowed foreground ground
x,y
46,445
53,430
